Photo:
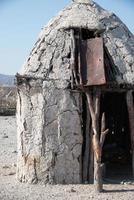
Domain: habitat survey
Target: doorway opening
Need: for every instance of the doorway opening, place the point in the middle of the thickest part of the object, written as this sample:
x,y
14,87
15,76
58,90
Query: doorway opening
x,y
117,147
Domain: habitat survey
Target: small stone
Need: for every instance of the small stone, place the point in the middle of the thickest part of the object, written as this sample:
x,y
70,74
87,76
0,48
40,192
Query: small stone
x,y
5,136
14,165
73,190
14,151
5,167
11,173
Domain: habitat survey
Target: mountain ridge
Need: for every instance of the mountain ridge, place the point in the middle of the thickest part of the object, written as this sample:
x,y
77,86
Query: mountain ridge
x,y
7,80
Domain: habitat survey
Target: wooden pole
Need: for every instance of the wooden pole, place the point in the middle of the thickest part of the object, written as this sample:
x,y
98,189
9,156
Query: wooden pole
x,y
87,145
98,138
74,75
91,158
79,58
130,107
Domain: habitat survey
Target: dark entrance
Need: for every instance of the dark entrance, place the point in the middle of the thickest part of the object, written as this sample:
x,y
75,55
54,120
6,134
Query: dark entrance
x,y
117,147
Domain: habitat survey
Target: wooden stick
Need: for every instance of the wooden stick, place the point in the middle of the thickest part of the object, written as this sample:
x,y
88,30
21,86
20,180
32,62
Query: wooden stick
x,y
91,160
90,105
104,131
86,156
94,108
130,107
94,111
79,58
74,75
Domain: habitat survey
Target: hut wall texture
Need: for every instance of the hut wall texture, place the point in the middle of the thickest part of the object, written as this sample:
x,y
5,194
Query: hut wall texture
x,y
49,123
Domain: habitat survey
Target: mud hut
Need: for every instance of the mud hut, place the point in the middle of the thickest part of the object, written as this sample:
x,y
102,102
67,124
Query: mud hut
x,y
75,98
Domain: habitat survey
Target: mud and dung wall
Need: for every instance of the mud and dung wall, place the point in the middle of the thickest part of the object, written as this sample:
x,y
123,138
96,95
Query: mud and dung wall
x,y
49,122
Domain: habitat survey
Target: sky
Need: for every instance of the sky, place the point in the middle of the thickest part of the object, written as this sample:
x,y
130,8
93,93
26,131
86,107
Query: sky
x,y
22,20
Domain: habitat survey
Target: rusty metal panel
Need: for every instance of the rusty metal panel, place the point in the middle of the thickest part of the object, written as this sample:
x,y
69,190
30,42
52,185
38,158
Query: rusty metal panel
x,y
92,62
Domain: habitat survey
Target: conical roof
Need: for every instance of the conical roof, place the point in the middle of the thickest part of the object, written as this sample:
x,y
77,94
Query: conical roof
x,y
54,42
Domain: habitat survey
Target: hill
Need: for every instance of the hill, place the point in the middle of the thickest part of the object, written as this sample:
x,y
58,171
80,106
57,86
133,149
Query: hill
x,y
7,100
6,80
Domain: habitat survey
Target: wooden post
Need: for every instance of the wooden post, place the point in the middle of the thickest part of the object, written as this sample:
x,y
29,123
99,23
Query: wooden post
x,y
87,145
91,158
79,59
130,107
98,139
73,75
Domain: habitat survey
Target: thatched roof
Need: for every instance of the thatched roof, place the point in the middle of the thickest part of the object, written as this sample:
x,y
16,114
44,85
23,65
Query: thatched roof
x,y
54,42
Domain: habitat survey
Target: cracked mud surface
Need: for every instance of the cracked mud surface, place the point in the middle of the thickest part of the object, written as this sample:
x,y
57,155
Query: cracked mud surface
x,y
10,189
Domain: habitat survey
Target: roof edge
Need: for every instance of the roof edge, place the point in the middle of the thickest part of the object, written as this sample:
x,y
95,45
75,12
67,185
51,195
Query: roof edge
x,y
83,1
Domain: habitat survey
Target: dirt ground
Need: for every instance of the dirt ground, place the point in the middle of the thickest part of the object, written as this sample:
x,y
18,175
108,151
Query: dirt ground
x,y
11,189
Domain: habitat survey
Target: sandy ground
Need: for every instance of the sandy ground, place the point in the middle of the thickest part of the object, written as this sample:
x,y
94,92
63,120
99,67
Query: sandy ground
x,y
10,189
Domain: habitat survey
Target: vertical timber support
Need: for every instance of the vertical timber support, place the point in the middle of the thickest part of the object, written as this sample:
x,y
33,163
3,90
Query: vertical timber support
x,y
91,159
73,75
86,144
130,107
98,135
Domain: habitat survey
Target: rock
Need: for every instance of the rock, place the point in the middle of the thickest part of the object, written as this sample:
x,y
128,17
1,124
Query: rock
x,y
14,165
11,173
70,190
6,167
14,151
5,136
73,190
